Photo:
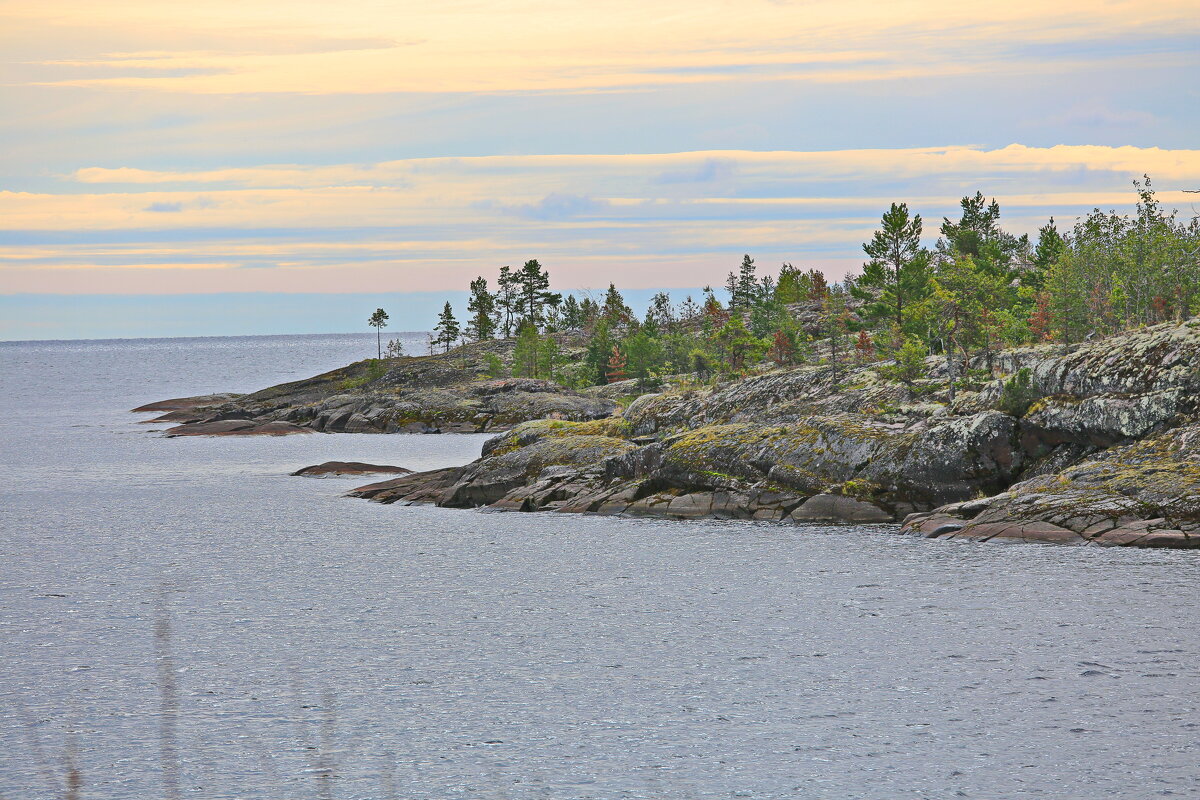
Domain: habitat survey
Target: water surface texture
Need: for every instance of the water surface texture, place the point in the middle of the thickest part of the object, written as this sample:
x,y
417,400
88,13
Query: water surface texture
x,y
324,647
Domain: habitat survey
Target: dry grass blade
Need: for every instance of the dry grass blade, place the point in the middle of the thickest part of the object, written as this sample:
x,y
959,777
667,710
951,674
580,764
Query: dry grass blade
x,y
169,702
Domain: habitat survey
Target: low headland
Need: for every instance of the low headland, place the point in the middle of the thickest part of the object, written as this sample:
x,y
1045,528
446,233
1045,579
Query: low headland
x,y
992,390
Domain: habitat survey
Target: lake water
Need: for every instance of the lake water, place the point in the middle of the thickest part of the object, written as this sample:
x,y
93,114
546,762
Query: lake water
x,y
310,645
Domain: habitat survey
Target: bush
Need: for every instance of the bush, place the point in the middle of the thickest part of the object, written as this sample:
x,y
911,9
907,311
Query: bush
x,y
494,365
910,362
1018,394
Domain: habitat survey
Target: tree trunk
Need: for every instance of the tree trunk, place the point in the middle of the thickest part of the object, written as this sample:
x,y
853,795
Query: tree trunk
x,y
951,367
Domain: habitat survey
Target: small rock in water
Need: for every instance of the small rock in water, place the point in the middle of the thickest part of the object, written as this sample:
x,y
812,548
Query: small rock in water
x,y
350,468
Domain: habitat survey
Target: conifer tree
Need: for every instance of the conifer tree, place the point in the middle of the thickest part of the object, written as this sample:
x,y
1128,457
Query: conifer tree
x,y
793,285
447,328
742,287
835,325
506,300
896,278
599,348
572,315
688,310
533,292
378,321
481,305
820,287
614,310
525,352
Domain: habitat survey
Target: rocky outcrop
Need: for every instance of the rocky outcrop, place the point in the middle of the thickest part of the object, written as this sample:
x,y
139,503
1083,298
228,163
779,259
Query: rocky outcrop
x,y
1084,464
1145,494
349,468
186,403
448,393
182,410
235,427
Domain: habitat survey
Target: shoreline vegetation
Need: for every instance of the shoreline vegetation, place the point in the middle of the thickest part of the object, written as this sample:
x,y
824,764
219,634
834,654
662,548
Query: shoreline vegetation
x,y
991,387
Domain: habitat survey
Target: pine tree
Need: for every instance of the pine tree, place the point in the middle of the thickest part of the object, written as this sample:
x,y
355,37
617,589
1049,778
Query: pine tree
x,y
896,278
614,309
533,292
738,344
783,349
978,234
548,358
1068,299
554,314
378,321
506,300
835,325
1041,323
688,310
481,305
820,286
1050,246
957,307
525,352
661,311
910,362
643,355
589,311
447,328
793,285
742,287
599,346
572,316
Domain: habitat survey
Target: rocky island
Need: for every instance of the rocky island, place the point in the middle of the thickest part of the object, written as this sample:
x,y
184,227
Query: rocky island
x,y
1103,449
444,393
986,389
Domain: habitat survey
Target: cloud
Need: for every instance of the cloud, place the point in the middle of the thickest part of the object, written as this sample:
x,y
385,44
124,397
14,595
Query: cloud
x,y
176,206
435,223
708,171
532,46
1100,115
555,206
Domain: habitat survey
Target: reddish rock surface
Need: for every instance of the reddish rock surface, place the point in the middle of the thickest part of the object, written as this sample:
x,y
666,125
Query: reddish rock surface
x,y
186,403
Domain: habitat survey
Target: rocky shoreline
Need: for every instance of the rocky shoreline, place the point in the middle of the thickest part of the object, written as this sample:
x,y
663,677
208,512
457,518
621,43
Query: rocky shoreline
x,y
1103,450
1107,455
444,393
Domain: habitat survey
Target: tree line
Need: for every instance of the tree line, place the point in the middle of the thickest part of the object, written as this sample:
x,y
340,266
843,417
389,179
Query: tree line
x,y
978,289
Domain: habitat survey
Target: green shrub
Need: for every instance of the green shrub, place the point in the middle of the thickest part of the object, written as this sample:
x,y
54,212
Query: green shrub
x,y
1018,394
494,365
910,362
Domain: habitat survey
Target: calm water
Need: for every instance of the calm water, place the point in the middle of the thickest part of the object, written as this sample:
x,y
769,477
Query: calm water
x,y
427,653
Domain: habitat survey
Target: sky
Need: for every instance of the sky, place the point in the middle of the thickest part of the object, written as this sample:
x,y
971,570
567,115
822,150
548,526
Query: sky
x,y
247,167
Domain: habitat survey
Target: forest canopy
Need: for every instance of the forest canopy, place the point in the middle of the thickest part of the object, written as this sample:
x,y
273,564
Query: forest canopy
x,y
977,289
